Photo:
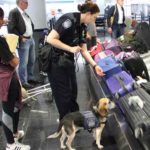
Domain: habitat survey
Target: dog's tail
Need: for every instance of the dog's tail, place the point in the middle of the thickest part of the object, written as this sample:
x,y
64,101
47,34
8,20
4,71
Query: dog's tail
x,y
56,134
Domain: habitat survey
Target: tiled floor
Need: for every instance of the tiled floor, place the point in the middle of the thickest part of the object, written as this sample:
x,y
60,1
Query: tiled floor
x,y
38,119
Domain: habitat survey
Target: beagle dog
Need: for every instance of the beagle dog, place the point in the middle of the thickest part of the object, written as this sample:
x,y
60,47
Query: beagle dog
x,y
74,121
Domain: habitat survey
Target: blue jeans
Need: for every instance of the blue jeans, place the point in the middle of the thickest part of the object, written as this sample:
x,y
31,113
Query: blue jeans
x,y
118,30
26,53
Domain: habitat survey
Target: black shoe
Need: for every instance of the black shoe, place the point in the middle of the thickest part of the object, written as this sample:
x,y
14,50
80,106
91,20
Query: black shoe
x,y
33,82
27,86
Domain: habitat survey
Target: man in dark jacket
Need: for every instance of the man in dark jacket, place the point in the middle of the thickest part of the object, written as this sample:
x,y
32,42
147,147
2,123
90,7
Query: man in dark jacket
x,y
116,19
21,25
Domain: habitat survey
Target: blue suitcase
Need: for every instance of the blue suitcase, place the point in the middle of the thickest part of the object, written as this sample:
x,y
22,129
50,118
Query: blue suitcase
x,y
110,66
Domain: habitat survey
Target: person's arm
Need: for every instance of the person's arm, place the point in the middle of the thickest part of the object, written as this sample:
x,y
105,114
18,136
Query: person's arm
x,y
109,23
12,23
53,39
88,57
16,24
88,36
6,56
14,62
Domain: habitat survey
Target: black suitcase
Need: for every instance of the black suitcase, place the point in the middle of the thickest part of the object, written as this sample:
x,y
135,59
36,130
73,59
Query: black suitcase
x,y
146,87
142,32
137,117
136,66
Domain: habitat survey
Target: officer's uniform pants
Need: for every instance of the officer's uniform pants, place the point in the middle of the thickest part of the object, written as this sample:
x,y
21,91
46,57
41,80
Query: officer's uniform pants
x,y
64,88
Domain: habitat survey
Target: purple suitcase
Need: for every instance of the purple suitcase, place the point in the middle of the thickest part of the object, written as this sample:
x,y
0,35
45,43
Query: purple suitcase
x,y
120,83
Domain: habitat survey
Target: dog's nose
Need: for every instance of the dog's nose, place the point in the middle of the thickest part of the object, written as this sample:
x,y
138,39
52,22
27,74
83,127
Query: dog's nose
x,y
112,105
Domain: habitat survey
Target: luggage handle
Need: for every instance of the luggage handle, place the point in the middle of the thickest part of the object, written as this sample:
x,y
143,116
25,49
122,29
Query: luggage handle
x,y
119,79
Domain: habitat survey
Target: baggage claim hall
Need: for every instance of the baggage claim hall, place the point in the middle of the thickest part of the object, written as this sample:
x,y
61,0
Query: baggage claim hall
x,y
74,74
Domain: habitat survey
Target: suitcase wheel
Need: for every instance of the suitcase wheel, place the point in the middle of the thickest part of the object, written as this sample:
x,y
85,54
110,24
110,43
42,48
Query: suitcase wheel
x,y
138,132
117,95
135,86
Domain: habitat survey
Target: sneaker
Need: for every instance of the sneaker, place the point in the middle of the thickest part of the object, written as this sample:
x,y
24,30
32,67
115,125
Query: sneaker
x,y
19,136
18,146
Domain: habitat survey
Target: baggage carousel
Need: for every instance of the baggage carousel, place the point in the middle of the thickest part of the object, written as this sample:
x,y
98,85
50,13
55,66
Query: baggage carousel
x,y
117,123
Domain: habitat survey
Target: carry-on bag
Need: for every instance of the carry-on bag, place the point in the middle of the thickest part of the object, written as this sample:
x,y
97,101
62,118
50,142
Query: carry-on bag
x,y
146,87
136,108
110,66
102,55
121,83
143,33
114,46
136,66
96,49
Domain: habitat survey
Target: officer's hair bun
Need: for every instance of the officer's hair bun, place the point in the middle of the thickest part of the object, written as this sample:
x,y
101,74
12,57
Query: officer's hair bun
x,y
79,7
88,7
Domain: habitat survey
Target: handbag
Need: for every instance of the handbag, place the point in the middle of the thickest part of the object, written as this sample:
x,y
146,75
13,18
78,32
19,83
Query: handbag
x,y
112,17
45,55
65,61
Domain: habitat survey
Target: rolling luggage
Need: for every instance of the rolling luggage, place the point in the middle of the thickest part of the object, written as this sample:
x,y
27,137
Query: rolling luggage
x,y
143,33
136,108
133,63
114,46
110,66
143,83
136,66
146,87
102,55
120,83
96,49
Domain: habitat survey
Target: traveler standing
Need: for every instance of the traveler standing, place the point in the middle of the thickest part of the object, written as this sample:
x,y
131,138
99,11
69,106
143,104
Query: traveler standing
x,y
20,24
116,19
10,94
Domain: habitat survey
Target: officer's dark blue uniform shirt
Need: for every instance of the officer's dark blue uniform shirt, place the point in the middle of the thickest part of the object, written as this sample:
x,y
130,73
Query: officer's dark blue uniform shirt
x,y
70,30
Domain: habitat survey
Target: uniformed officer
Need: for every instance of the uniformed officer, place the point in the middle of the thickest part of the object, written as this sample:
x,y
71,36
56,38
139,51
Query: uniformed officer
x,y
69,37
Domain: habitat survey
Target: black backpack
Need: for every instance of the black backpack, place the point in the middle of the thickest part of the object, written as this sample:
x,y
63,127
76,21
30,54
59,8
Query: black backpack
x,y
143,33
45,55
136,66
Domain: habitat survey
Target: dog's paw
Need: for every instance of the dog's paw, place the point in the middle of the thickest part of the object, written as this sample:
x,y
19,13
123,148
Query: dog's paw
x,y
100,147
63,147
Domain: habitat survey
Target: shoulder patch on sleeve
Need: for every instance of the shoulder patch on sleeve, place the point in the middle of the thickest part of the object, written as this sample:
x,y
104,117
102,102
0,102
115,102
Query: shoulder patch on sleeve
x,y
67,24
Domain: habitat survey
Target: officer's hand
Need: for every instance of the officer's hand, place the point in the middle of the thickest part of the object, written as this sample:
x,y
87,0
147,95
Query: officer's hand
x,y
75,49
99,71
109,30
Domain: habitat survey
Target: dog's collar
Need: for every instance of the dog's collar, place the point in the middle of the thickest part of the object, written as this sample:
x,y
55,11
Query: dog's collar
x,y
103,122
